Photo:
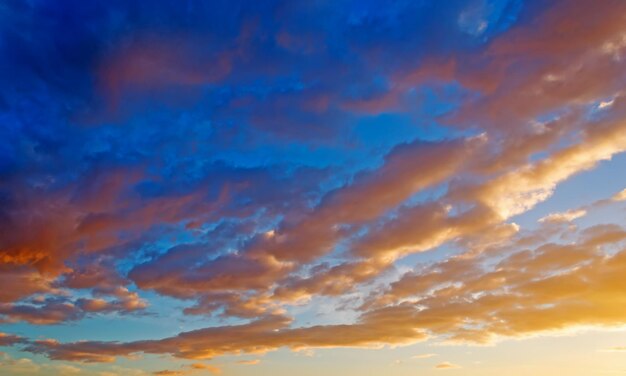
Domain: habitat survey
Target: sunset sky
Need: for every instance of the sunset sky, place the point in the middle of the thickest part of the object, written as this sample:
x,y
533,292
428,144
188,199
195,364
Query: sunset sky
x,y
313,187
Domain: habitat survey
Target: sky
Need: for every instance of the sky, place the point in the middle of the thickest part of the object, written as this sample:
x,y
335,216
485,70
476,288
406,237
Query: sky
x,y
349,187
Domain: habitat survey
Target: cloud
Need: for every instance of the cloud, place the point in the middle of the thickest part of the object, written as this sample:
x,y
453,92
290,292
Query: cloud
x,y
18,366
620,196
555,286
519,190
65,369
446,365
9,339
391,184
167,372
260,336
463,299
25,366
250,362
567,216
423,356
496,200
42,310
215,154
615,349
269,259
27,282
208,367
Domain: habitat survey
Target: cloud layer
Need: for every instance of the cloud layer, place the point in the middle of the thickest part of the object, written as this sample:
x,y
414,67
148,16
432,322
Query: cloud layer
x,y
249,160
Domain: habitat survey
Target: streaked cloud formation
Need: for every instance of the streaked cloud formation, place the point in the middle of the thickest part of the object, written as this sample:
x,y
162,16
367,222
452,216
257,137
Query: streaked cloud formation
x,y
247,177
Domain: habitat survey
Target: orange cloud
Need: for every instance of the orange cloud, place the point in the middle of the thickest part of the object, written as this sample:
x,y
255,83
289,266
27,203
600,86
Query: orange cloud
x,y
567,216
446,365
168,372
249,362
270,333
507,290
208,367
9,339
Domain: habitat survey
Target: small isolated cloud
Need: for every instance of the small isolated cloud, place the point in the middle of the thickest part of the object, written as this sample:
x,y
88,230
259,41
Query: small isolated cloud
x,y
567,216
65,369
423,356
621,196
605,104
249,362
615,349
167,372
446,365
207,367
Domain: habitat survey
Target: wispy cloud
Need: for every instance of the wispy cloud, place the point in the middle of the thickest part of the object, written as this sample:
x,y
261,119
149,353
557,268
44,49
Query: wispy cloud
x,y
446,366
423,356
